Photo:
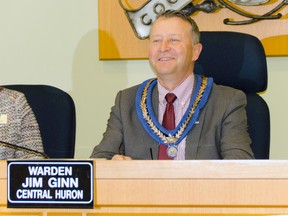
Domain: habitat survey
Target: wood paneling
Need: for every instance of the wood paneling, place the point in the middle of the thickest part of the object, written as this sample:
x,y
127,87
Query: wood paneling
x,y
234,187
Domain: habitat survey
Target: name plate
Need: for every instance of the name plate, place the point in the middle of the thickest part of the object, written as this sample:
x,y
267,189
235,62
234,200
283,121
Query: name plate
x,y
50,183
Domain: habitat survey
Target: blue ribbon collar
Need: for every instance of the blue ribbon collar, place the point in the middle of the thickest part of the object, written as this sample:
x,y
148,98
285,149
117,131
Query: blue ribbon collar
x,y
150,122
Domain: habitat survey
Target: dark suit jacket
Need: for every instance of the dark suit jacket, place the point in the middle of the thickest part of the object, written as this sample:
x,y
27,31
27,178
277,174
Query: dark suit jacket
x,y
220,134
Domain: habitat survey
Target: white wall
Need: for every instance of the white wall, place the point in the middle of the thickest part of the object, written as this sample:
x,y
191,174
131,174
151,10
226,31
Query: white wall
x,y
55,42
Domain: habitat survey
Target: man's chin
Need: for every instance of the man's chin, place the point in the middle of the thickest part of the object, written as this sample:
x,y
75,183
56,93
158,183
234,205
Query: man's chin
x,y
164,72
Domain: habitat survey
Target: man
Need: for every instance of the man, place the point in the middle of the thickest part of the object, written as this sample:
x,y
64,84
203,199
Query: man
x,y
209,120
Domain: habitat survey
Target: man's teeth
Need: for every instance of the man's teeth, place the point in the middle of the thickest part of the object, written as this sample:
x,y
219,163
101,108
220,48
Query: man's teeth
x,y
165,58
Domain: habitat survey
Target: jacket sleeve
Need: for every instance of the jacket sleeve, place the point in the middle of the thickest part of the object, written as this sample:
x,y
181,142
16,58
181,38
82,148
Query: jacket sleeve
x,y
235,140
28,134
112,140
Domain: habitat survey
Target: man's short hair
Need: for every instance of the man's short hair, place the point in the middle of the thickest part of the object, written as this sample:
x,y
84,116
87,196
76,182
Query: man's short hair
x,y
177,13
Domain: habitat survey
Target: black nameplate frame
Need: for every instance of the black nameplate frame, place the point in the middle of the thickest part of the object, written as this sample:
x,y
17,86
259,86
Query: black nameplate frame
x,y
50,184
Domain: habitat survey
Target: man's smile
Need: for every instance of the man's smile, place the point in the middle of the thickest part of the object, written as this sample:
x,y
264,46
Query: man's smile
x,y
165,58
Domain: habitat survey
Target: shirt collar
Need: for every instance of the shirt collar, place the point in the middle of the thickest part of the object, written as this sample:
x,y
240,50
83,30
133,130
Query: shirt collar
x,y
183,91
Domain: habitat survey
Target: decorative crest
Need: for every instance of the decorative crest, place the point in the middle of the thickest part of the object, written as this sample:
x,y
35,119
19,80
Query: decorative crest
x,y
142,18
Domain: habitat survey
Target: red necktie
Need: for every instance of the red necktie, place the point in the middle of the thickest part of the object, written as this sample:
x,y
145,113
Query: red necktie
x,y
168,122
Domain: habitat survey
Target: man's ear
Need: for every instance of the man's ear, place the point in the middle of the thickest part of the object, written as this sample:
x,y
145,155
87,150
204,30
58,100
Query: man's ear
x,y
197,48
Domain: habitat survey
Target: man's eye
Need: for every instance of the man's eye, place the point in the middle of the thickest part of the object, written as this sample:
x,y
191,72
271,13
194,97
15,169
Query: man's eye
x,y
174,39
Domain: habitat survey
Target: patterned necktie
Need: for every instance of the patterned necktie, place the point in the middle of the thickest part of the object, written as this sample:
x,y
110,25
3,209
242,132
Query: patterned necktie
x,y
168,122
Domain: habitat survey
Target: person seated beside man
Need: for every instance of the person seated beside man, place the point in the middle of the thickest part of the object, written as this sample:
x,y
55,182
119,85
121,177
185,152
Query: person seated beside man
x,y
19,131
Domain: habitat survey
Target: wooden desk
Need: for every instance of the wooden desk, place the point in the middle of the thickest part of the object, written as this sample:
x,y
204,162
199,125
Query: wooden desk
x,y
178,187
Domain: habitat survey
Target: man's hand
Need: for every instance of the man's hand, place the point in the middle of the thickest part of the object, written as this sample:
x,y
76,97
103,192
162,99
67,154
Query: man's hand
x,y
121,157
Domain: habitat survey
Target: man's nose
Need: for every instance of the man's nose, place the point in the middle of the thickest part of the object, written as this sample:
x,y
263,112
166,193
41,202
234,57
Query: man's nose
x,y
165,45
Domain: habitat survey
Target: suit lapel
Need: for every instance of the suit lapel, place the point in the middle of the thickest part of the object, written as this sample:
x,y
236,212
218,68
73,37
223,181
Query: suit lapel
x,y
193,137
155,105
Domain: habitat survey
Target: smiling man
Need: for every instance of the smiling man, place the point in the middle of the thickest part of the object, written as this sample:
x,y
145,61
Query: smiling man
x,y
173,49
178,115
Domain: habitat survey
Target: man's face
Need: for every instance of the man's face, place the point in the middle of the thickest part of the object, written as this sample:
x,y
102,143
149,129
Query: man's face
x,y
171,50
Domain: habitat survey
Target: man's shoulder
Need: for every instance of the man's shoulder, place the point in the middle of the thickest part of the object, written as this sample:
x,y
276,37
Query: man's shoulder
x,y
131,89
225,95
225,90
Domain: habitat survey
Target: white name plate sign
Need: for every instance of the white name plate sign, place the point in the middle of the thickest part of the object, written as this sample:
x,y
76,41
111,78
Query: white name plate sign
x,y
50,183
